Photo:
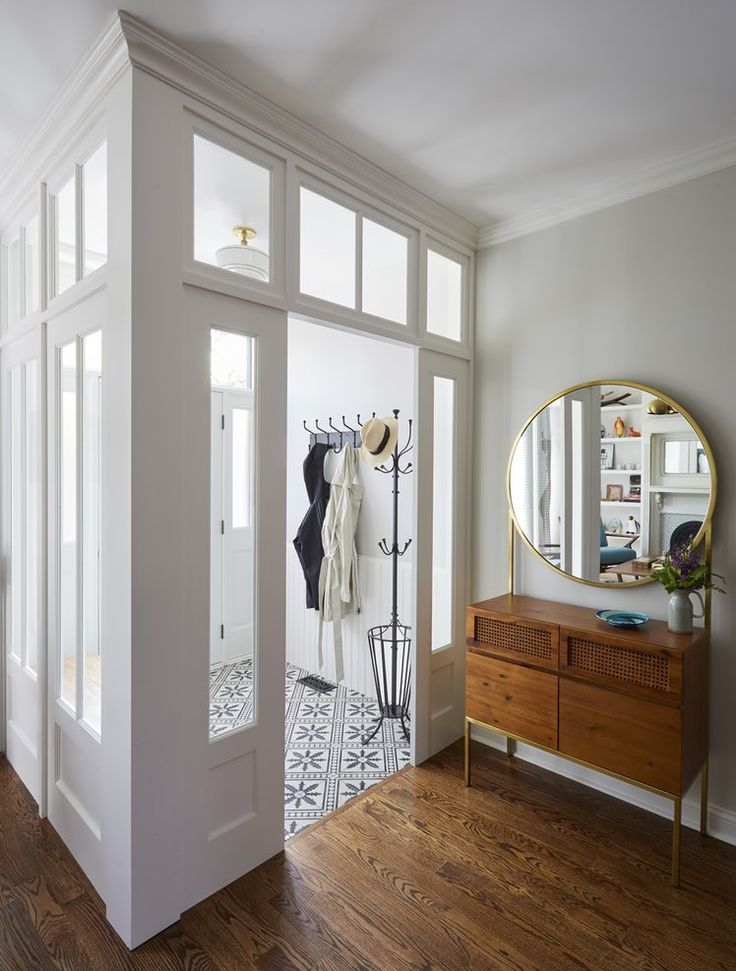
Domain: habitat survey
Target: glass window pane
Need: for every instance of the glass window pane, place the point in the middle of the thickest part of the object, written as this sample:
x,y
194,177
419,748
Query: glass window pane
x,y
232,196
91,488
444,296
442,505
32,496
67,581
231,362
94,196
14,283
242,468
64,244
15,579
385,271
32,266
326,249
232,546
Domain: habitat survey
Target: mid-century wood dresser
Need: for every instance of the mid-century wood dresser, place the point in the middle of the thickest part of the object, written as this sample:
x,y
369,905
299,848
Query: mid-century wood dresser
x,y
630,703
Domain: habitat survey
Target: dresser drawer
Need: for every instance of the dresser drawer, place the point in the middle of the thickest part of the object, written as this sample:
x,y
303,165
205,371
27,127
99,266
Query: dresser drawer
x,y
517,639
643,670
632,737
512,698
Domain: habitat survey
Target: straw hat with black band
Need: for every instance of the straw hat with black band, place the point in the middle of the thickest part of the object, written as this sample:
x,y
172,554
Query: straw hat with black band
x,y
378,437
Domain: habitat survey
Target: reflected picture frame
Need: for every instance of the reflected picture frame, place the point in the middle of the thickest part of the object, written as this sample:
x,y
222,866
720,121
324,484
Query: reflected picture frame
x,y
607,455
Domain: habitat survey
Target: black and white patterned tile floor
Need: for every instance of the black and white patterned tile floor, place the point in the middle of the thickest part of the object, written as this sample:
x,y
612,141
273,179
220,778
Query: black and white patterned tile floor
x,y
326,761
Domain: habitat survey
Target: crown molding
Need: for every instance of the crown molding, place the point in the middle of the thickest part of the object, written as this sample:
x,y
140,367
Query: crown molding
x,y
661,175
67,114
160,57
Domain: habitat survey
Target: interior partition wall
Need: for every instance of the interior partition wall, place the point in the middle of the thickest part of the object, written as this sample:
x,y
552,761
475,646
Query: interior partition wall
x,y
157,811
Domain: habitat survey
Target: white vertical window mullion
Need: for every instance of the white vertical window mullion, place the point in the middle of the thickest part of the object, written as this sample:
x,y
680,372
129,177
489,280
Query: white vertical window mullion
x,y
50,248
79,222
43,244
79,399
20,568
359,261
22,270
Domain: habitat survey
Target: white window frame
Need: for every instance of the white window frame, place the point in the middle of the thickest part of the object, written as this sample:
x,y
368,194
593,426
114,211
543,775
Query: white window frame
x,y
32,207
206,275
319,307
442,248
72,167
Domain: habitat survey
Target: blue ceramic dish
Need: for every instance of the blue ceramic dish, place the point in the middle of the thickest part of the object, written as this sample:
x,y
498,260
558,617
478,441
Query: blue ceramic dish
x,y
623,618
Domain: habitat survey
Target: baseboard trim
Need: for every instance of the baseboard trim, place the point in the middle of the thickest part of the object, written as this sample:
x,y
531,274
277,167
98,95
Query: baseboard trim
x,y
721,822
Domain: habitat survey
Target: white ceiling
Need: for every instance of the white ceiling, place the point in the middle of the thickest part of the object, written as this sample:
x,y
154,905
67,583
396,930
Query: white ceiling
x,y
496,108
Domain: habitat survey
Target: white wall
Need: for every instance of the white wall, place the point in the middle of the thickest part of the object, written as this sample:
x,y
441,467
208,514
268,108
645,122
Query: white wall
x,y
335,373
645,290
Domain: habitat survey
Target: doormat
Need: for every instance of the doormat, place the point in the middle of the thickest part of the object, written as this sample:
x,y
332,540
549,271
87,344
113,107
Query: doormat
x,y
316,684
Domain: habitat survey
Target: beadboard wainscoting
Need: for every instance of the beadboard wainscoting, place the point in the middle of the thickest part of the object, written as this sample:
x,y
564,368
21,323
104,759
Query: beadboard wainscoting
x,y
302,625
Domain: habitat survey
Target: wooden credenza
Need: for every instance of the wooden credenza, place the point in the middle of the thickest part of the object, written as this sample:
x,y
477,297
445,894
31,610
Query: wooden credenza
x,y
632,704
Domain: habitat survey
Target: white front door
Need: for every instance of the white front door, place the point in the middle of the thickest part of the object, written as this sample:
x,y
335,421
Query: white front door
x,y
441,557
23,579
231,612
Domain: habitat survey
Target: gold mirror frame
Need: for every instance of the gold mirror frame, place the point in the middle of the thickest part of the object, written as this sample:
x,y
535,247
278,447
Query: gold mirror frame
x,y
704,535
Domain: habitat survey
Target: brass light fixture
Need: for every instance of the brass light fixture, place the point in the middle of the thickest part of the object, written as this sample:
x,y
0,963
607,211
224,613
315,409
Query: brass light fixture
x,y
244,259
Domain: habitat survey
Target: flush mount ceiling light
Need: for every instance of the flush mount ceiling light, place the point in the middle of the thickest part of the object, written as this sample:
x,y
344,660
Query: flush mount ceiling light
x,y
241,258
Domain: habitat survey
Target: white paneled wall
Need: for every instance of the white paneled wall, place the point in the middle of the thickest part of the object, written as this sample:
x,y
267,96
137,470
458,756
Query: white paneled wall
x,y
302,625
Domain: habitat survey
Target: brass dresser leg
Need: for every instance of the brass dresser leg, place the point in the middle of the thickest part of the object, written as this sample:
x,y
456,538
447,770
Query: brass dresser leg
x,y
704,798
467,752
676,826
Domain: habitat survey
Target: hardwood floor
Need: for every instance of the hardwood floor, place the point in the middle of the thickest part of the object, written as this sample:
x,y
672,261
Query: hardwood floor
x,y
523,870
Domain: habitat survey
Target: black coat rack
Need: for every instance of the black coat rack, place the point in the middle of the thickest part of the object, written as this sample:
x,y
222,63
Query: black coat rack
x,y
389,644
393,686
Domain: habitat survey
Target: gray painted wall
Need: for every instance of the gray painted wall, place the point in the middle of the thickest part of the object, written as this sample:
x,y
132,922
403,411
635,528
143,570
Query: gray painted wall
x,y
644,290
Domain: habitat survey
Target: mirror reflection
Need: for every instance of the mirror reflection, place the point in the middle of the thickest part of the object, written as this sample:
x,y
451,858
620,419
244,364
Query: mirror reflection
x,y
605,479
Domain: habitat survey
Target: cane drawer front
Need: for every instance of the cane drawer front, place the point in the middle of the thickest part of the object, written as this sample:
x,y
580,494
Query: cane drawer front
x,y
622,663
514,638
512,699
630,736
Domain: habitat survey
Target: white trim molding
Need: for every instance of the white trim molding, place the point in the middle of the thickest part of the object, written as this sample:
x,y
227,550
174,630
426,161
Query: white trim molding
x,y
65,118
160,57
657,176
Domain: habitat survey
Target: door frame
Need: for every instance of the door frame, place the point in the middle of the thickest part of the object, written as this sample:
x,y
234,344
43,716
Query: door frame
x,y
30,346
444,719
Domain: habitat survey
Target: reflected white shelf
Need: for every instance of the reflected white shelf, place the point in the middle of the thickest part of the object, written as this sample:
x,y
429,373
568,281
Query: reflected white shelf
x,y
619,441
682,490
620,471
618,502
631,407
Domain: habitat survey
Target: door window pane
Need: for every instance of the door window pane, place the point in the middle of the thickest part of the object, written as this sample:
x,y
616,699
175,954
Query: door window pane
x,y
94,196
385,270
231,362
444,296
67,555
91,488
232,546
32,266
443,484
64,243
14,282
15,578
232,200
326,249
32,497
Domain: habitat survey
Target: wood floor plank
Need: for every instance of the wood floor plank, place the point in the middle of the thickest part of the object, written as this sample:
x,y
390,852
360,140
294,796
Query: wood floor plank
x,y
523,870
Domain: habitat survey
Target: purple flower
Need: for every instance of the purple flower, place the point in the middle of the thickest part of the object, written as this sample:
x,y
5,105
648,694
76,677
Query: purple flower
x,y
684,559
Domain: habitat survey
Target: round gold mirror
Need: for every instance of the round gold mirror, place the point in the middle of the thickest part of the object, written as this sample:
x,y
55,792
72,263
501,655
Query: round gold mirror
x,y
607,476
